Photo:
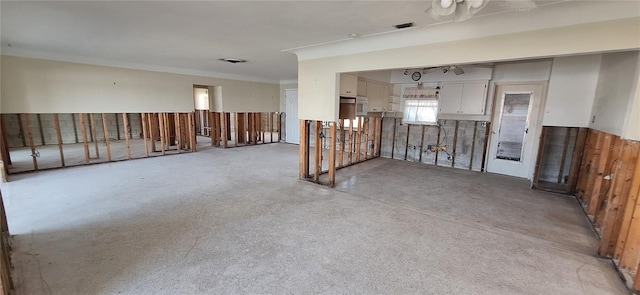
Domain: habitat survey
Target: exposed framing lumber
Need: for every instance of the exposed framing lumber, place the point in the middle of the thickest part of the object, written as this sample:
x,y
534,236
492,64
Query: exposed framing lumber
x,y
212,125
223,128
487,138
152,133
332,154
379,146
4,144
393,141
618,199
578,151
162,133
304,149
21,128
406,145
105,126
596,197
270,127
565,148
359,139
586,165
83,126
342,143
236,123
629,252
143,119
437,145
350,146
541,151
94,134
176,119
421,143
75,128
318,152
366,137
40,129
31,143
193,142
374,136
117,126
56,123
279,128
125,122
473,144
455,144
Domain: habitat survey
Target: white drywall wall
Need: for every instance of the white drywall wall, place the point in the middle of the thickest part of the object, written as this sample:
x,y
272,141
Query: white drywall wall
x,y
283,88
45,86
572,88
616,92
318,98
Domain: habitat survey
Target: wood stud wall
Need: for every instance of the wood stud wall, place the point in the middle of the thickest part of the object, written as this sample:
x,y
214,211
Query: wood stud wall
x,y
346,146
168,128
244,128
608,188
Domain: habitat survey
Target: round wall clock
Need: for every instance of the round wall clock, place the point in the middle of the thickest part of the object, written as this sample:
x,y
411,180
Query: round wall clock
x,y
416,76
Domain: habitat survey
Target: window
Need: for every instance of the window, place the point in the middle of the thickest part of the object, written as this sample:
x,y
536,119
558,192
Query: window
x,y
420,105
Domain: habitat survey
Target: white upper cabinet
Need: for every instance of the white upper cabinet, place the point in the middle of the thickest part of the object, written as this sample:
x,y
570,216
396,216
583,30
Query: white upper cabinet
x,y
463,98
362,88
348,85
378,95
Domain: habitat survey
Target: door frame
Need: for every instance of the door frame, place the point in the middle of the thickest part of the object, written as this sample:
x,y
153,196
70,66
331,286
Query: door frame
x,y
536,139
286,117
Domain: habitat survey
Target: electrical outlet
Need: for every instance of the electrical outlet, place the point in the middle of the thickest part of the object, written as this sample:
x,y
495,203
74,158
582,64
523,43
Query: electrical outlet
x,y
438,148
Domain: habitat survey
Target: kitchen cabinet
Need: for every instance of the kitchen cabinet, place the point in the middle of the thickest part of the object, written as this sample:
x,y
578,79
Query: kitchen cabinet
x,y
378,95
362,88
463,98
348,85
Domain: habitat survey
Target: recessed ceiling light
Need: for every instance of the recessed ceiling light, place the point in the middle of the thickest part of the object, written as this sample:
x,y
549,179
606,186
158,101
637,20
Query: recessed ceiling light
x,y
233,60
404,26
354,35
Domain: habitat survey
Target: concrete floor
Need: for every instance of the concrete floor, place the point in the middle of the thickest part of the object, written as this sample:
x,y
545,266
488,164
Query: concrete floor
x,y
239,221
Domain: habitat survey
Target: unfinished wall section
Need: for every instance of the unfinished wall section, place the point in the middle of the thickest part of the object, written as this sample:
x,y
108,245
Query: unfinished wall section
x,y
453,143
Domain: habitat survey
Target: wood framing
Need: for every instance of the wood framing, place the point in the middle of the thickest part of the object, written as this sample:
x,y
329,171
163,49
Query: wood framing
x,y
223,128
351,146
143,119
332,154
406,144
56,123
455,144
85,141
105,126
125,122
94,134
318,152
342,144
304,149
34,153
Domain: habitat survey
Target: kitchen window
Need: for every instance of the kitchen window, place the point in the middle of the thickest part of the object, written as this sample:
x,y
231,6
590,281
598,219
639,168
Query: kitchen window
x,y
420,106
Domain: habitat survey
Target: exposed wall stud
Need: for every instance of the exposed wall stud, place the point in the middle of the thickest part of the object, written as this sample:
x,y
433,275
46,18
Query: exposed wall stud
x,y
31,143
94,134
143,119
304,149
85,141
106,136
125,122
332,154
56,123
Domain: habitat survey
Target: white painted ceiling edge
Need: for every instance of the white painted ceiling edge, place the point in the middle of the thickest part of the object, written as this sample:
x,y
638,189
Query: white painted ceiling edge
x,y
38,54
558,14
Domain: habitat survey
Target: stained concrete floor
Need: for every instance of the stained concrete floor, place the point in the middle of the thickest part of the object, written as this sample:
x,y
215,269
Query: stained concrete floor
x,y
238,221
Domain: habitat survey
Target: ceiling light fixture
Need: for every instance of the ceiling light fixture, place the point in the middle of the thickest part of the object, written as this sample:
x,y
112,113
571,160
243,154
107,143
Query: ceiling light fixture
x,y
406,72
462,9
233,60
404,26
354,35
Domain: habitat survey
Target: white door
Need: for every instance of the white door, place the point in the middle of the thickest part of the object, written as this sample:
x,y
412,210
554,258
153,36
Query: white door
x,y
292,123
514,129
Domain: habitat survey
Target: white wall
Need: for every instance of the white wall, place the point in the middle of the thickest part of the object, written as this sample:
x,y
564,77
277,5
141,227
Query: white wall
x,y
380,76
44,86
513,72
317,77
616,92
283,88
572,88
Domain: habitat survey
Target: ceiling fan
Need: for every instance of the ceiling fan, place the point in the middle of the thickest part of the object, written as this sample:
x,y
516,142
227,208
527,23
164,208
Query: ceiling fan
x,y
461,9
465,9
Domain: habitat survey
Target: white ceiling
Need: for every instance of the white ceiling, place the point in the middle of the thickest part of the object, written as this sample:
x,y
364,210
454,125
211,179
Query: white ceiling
x,y
190,37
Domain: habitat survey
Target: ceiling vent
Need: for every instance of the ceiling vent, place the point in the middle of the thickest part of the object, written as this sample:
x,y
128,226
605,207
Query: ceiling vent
x,y
404,26
233,60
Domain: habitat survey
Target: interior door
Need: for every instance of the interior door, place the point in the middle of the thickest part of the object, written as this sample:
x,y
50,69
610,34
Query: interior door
x,y
292,128
513,131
